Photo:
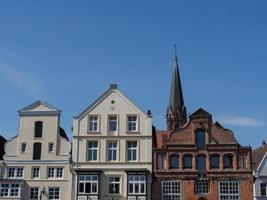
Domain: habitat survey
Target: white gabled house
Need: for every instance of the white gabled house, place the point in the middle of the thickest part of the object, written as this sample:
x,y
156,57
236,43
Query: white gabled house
x,y
259,163
36,161
112,150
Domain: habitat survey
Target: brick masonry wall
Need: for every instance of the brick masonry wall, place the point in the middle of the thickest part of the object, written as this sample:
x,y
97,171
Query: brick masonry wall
x,y
188,189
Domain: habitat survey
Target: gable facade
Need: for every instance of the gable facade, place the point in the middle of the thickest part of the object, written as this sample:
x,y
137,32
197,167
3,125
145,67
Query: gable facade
x,y
36,161
112,144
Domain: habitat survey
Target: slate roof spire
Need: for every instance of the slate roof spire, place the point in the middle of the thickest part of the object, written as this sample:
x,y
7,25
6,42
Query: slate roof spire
x,y
176,111
176,101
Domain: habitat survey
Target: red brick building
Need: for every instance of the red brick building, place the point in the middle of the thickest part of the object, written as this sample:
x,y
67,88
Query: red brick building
x,y
196,158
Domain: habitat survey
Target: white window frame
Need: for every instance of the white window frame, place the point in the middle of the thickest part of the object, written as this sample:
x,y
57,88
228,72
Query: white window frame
x,y
138,180
91,150
52,172
92,179
261,187
94,120
16,171
23,148
51,144
35,172
132,149
229,195
132,123
10,190
171,189
34,191
202,187
114,182
113,132
112,149
54,188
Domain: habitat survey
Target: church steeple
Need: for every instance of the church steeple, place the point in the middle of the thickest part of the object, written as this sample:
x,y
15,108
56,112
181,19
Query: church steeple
x,y
176,111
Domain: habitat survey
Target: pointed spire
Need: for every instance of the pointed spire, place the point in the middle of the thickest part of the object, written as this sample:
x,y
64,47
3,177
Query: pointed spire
x,y
176,111
176,101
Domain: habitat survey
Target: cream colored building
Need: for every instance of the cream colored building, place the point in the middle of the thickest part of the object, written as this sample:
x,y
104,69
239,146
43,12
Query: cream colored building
x,y
112,145
36,162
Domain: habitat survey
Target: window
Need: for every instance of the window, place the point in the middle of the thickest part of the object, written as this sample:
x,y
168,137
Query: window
x,y
112,124
23,147
132,123
131,151
201,187
54,193
55,172
187,161
171,190
92,151
161,161
93,123
35,172
34,193
137,184
201,164
15,172
263,189
88,184
114,185
59,173
10,190
15,190
215,161
112,151
228,161
37,149
229,190
200,139
50,147
174,162
38,129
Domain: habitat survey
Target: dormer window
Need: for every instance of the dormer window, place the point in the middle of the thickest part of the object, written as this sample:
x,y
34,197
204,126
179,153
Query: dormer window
x,y
38,129
93,123
200,139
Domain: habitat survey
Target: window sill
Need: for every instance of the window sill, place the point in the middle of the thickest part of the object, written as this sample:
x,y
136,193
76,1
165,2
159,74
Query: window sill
x,y
93,132
133,132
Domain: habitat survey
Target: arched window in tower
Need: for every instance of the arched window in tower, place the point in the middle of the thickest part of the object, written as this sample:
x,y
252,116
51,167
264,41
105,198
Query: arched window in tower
x,y
228,161
38,129
201,164
187,161
215,161
200,139
174,162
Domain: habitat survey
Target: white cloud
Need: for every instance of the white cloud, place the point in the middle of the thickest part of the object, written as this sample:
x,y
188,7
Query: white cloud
x,y
22,80
241,121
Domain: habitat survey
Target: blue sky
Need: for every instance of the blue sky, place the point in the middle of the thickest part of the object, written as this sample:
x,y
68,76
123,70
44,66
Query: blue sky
x,y
68,52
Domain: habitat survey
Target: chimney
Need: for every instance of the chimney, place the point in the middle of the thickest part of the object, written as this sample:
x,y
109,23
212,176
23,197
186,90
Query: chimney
x,y
113,86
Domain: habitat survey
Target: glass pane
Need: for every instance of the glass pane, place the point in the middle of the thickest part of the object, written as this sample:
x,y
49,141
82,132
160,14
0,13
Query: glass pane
x,y
200,139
